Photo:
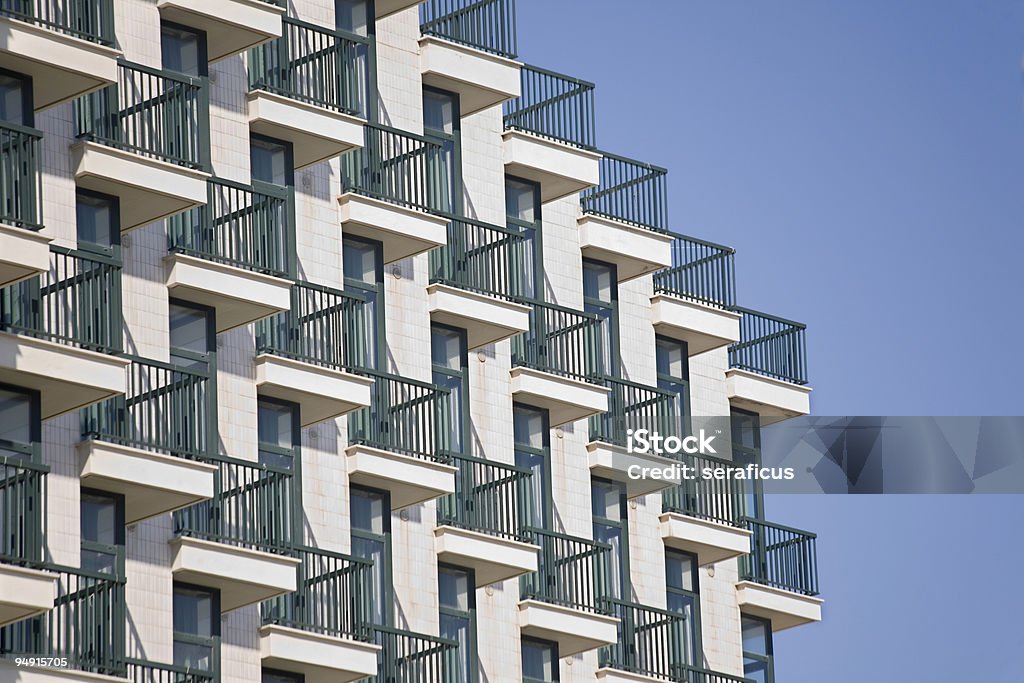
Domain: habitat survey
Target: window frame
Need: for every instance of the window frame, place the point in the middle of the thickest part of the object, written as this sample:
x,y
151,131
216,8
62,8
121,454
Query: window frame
x,y
547,504
697,636
462,375
622,524
516,223
114,250
589,306
455,138
33,449
743,455
212,641
203,56
555,673
387,590
28,111
379,357
118,548
469,615
210,357
670,383
767,659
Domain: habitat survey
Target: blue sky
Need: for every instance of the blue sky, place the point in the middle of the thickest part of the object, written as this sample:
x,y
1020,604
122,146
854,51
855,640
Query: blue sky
x,y
866,160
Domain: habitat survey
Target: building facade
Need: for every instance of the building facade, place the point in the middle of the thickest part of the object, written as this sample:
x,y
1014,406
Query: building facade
x,y
322,328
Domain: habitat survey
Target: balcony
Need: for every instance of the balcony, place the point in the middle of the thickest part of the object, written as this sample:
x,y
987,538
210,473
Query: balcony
x,y
303,354
240,542
235,253
322,630
549,134
625,218
469,48
632,406
231,26
400,442
310,88
475,279
23,251
406,657
59,331
65,46
693,300
480,525
25,589
395,190
563,601
705,517
556,363
148,445
779,578
768,367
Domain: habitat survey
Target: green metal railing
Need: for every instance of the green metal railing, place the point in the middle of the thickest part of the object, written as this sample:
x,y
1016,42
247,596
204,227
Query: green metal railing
x,y
91,20
324,326
253,506
313,64
159,114
86,625
717,500
249,227
770,346
571,571
684,673
165,408
22,510
77,302
488,25
553,106
332,596
142,671
561,341
405,416
651,641
481,258
781,557
701,271
631,192
399,167
488,498
407,657
635,406
21,176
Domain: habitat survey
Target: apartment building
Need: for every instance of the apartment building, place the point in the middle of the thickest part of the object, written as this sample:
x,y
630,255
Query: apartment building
x,y
322,327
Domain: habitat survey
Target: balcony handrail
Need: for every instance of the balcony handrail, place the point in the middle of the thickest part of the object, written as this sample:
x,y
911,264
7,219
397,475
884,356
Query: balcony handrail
x,y
687,673
701,271
562,341
21,177
481,257
91,20
572,571
780,556
770,346
554,106
488,498
407,657
650,641
145,671
488,25
22,491
632,405
717,500
630,191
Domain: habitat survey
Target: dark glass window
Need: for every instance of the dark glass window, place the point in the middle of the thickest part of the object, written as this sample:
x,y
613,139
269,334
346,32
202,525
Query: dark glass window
x,y
684,597
448,358
281,677
673,375
532,452
457,603
746,449
441,123
540,661
522,212
19,422
270,161
278,431
353,16
600,297
371,524
193,339
97,220
15,99
183,50
102,527
608,506
362,263
757,650
196,627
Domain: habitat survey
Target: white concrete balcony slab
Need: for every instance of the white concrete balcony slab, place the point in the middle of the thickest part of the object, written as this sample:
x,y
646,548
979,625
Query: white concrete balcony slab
x,y
703,327
574,630
559,168
783,608
243,576
491,558
67,378
481,79
402,232
773,399
25,593
149,189
486,319
616,463
710,541
23,254
151,483
607,675
634,251
565,398
321,393
318,657
62,67
383,8
409,480
239,296
231,26
316,133
12,673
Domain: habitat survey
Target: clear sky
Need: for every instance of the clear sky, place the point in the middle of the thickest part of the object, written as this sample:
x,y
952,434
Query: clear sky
x,y
866,160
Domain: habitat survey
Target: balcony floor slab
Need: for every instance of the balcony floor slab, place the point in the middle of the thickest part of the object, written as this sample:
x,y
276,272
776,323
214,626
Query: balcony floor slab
x,y
634,251
23,254
785,609
486,319
566,399
710,541
703,327
231,26
402,232
615,463
481,79
316,133
560,169
410,480
492,558
25,592
321,393
320,658
574,630
773,399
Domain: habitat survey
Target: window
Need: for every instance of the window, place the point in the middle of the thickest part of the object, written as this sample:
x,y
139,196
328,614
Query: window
x,y
757,649
356,17
193,337
353,16
457,596
540,661
674,375
371,527
98,220
102,526
449,366
522,212
270,161
183,49
600,297
608,506
362,263
196,627
16,99
20,424
441,124
277,425
281,677
746,450
684,597
532,450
